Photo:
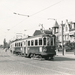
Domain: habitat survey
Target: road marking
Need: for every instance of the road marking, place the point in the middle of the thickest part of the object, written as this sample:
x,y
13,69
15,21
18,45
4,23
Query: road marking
x,y
45,68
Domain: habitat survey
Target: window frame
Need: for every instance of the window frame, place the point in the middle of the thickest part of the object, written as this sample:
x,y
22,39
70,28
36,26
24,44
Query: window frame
x,y
45,41
32,42
40,40
28,42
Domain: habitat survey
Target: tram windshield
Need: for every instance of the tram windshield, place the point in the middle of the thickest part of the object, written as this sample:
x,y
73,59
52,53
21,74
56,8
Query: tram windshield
x,y
49,41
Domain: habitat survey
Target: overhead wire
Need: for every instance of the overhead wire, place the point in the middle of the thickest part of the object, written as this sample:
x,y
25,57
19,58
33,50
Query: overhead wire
x,y
37,12
34,13
47,8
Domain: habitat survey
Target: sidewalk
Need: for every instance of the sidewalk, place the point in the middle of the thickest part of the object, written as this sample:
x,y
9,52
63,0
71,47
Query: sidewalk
x,y
67,55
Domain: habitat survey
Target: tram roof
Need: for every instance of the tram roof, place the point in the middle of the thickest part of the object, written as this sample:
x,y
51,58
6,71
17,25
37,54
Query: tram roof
x,y
37,33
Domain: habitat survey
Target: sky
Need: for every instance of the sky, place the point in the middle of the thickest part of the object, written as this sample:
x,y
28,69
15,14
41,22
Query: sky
x,y
38,10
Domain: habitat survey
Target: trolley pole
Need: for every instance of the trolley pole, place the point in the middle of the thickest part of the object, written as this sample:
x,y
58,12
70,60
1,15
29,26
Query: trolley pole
x,y
62,38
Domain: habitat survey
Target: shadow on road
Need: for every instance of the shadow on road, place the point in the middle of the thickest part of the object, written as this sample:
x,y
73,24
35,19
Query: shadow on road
x,y
63,59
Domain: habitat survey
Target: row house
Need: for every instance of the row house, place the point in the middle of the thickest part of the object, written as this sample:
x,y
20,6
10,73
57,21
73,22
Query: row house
x,y
68,32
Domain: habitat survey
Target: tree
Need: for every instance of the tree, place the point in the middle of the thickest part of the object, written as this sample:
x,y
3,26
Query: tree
x,y
5,43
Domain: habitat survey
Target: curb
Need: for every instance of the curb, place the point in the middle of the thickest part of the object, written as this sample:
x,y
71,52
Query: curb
x,y
66,55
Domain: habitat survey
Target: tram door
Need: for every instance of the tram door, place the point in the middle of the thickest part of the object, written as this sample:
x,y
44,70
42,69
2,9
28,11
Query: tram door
x,y
26,47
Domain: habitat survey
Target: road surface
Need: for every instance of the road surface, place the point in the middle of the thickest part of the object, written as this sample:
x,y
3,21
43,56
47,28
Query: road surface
x,y
16,65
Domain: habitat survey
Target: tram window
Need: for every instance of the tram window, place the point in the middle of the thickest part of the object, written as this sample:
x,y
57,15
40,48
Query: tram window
x,y
28,43
24,43
15,44
40,41
48,42
54,40
44,39
36,42
21,43
32,42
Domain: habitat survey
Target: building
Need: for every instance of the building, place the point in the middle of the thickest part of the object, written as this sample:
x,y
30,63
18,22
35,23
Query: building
x,y
68,32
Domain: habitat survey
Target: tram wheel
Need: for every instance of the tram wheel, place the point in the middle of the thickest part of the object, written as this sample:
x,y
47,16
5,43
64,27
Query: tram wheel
x,y
40,57
31,55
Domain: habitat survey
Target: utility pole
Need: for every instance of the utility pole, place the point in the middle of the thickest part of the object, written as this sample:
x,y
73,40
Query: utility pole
x,y
62,38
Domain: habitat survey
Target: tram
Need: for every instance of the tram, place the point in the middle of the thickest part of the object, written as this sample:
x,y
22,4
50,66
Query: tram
x,y
43,46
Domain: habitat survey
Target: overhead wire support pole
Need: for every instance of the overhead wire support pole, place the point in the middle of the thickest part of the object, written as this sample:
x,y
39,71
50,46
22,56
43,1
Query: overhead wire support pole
x,y
62,39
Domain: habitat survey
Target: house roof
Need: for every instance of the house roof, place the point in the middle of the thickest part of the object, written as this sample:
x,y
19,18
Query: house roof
x,y
39,32
56,25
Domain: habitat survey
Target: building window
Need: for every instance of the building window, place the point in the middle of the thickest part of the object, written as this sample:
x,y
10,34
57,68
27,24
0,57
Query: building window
x,y
70,26
56,30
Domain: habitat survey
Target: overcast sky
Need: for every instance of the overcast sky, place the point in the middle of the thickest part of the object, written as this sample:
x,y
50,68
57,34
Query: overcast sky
x,y
39,11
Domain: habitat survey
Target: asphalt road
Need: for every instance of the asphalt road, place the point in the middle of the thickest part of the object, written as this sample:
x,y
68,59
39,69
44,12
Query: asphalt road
x,y
16,65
